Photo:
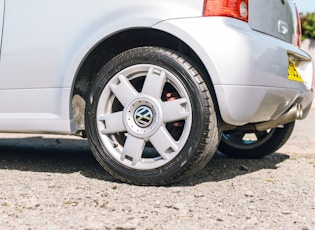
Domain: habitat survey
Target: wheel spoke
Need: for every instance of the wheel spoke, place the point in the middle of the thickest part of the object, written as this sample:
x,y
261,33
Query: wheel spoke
x,y
163,142
133,148
235,138
113,123
154,83
240,138
261,135
175,110
123,90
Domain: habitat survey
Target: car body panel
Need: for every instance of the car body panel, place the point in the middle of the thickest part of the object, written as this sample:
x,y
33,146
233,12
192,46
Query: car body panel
x,y
44,43
279,23
54,41
1,19
249,69
41,110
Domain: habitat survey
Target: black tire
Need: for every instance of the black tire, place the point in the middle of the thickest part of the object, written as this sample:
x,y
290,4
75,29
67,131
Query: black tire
x,y
240,144
151,146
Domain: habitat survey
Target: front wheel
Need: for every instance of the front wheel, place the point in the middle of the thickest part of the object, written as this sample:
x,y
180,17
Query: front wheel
x,y
151,119
242,144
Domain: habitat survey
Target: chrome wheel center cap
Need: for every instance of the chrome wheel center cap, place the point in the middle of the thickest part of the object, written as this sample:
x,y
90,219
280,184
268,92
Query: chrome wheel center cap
x,y
143,116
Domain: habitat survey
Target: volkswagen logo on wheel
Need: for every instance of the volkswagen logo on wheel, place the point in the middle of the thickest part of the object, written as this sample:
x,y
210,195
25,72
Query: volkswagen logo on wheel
x,y
143,116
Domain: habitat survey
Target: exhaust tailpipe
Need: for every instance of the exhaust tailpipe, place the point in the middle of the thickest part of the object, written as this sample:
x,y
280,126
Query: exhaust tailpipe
x,y
293,114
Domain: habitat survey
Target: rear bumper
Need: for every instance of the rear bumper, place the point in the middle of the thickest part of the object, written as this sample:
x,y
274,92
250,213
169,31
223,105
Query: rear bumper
x,y
248,69
240,105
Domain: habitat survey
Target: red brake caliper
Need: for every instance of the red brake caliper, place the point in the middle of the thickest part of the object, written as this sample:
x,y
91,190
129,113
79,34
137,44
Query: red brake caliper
x,y
172,97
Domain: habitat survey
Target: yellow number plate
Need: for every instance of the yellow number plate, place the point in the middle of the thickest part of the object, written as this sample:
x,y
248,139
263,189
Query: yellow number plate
x,y
293,74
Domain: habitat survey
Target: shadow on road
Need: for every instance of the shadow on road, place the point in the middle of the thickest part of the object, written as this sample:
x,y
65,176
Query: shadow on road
x,y
38,154
223,168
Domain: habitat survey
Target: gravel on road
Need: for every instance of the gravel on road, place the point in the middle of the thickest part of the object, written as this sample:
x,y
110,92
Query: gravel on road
x,y
54,182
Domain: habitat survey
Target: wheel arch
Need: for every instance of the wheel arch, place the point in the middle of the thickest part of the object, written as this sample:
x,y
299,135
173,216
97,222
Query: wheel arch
x,y
112,46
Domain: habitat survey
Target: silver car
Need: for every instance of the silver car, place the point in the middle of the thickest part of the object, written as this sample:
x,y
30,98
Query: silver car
x,y
157,87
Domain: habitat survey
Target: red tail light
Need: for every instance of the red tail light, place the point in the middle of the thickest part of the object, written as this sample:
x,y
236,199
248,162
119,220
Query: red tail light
x,y
229,8
298,40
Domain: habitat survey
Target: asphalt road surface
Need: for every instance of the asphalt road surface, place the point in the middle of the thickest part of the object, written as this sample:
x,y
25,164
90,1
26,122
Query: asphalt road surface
x,y
53,182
